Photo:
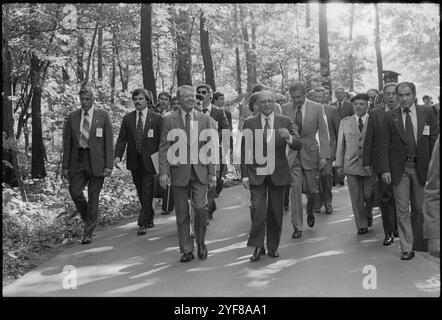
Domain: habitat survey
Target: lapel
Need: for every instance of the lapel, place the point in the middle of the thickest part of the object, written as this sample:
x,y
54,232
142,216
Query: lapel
x,y
364,128
147,124
213,112
398,122
420,122
93,123
307,115
354,126
76,119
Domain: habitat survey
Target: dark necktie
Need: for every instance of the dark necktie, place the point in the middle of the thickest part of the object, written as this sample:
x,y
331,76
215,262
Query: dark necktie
x,y
298,119
409,133
187,116
340,105
140,130
361,124
266,127
205,110
84,137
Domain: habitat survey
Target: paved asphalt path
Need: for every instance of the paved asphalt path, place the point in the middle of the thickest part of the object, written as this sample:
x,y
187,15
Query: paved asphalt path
x,y
330,260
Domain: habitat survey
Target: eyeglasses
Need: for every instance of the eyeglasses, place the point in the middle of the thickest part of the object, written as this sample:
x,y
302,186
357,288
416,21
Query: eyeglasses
x,y
201,92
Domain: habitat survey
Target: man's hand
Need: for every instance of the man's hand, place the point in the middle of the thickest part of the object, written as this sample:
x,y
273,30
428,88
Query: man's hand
x,y
107,172
212,180
164,181
245,183
322,163
327,169
117,162
386,176
434,247
65,174
284,133
340,171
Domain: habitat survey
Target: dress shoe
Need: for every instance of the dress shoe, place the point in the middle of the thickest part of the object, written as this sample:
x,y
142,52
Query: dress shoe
x,y
311,221
150,225
202,252
273,253
187,257
297,234
257,254
362,230
141,231
388,240
86,240
165,213
396,233
407,255
369,221
328,209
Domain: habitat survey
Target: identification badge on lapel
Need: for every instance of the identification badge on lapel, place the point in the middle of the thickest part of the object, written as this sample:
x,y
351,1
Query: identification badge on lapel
x,y
99,133
426,131
150,133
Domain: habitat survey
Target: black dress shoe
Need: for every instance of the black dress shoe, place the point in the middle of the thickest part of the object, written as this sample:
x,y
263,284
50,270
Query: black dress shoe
x,y
297,234
165,213
317,211
362,230
388,240
86,240
202,252
257,254
150,225
141,231
273,253
311,221
407,255
396,233
370,221
328,209
187,257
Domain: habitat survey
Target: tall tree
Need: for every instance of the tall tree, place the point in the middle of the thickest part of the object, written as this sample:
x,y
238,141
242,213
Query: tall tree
x,y
206,52
114,68
100,54
146,49
245,38
323,46
80,57
253,52
237,58
350,38
377,44
184,48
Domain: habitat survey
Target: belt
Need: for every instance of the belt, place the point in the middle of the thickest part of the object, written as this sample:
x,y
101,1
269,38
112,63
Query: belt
x,y
410,158
83,149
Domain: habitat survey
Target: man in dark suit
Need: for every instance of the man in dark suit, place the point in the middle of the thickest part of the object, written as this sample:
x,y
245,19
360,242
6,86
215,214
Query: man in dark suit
x,y
371,158
267,182
87,157
220,117
410,134
326,177
140,132
187,169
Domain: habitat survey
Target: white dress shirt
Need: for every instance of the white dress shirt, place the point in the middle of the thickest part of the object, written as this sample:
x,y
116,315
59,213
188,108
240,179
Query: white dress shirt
x,y
143,117
364,118
413,117
90,114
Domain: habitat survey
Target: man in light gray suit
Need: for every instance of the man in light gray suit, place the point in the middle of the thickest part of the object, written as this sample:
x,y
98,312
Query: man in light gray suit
x,y
361,180
310,120
187,170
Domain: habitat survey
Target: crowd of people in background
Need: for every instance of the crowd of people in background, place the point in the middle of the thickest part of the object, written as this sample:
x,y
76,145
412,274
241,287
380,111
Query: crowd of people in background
x,y
383,144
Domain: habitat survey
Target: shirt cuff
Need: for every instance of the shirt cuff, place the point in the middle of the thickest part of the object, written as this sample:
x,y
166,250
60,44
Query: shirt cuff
x,y
245,179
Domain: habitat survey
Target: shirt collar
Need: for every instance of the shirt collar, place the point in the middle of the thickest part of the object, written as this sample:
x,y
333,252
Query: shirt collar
x,y
412,109
209,108
90,112
144,112
192,114
364,117
270,116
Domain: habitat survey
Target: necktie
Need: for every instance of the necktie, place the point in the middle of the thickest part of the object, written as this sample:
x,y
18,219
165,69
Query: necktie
x,y
298,119
409,133
205,110
266,127
188,136
361,124
140,130
340,105
85,131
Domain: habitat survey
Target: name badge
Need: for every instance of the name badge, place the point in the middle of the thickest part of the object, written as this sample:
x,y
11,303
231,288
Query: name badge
x,y
99,133
150,133
426,131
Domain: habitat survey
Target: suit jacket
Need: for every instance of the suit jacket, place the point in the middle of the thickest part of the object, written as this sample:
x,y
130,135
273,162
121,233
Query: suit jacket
x,y
346,109
314,122
333,121
180,173
280,175
350,147
229,119
431,207
149,143
220,117
373,139
100,148
394,147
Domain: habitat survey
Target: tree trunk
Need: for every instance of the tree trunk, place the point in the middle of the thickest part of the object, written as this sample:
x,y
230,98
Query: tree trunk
x,y
245,38
124,72
282,77
253,53
298,56
38,70
80,58
206,53
91,50
184,49
350,37
323,46
114,69
238,61
307,15
173,53
378,46
100,54
146,49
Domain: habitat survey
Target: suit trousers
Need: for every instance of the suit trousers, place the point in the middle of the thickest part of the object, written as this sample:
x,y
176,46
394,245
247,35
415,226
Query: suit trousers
x,y
198,199
310,178
79,179
143,181
387,205
287,196
409,191
219,177
325,186
267,209
361,190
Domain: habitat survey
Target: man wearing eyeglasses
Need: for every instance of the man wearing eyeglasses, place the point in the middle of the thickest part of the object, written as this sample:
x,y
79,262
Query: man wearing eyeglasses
x,y
220,117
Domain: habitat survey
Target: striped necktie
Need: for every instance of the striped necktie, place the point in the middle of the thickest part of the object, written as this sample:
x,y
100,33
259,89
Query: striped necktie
x,y
84,137
140,129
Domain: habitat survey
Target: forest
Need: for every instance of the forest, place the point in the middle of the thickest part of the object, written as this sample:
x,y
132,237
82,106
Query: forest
x,y
50,49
